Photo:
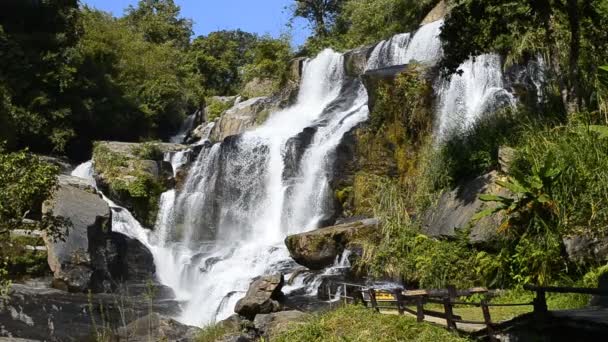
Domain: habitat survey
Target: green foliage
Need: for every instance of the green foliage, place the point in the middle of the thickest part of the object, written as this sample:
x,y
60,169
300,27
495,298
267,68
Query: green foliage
x,y
212,333
25,182
567,37
269,60
127,181
359,22
218,59
319,13
21,260
353,323
215,108
159,22
371,21
148,151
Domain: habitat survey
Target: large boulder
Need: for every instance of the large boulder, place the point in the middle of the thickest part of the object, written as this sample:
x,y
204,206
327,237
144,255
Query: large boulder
x,y
135,175
90,256
586,249
155,327
52,315
72,259
319,248
355,61
243,116
270,325
455,210
262,297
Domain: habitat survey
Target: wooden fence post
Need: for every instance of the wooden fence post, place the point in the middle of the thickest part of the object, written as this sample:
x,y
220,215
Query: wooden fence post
x,y
372,298
399,299
449,314
485,309
419,309
540,304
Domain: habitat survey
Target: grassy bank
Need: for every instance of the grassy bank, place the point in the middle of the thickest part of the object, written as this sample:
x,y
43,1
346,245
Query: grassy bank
x,y
354,323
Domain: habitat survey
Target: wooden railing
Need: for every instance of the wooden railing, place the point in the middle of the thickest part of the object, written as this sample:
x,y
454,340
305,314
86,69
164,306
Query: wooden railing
x,y
400,300
447,298
540,300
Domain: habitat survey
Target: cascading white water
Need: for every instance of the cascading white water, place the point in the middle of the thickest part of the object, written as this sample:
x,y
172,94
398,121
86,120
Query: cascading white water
x,y
243,196
237,205
466,97
389,52
425,45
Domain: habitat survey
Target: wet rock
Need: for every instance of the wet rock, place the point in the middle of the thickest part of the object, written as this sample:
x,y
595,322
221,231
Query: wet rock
x,y
262,297
270,325
319,248
355,61
258,87
155,327
53,315
456,208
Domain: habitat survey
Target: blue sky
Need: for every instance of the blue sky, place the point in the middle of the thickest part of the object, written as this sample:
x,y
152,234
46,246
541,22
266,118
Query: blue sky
x,y
259,16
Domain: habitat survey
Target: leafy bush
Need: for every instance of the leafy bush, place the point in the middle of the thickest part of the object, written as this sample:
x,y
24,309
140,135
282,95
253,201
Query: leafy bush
x,y
148,151
353,323
215,108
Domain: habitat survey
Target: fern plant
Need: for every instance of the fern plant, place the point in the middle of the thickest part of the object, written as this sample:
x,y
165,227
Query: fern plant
x,y
532,200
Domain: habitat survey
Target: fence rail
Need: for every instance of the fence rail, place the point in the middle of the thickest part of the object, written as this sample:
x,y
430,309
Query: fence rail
x,y
448,299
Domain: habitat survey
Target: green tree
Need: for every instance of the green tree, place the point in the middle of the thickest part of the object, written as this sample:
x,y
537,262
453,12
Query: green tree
x,y
25,182
319,13
218,58
566,34
159,22
37,50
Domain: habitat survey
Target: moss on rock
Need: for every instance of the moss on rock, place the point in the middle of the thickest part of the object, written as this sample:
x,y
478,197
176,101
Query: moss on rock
x,y
136,184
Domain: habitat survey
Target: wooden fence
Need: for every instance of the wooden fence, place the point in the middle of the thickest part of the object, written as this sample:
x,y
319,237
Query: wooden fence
x,y
400,300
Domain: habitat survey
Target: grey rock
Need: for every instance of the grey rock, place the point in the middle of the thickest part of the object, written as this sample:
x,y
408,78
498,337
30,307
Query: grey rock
x,y
506,155
319,248
262,296
155,327
270,325
128,149
581,249
355,61
239,118
437,13
53,315
71,260
456,208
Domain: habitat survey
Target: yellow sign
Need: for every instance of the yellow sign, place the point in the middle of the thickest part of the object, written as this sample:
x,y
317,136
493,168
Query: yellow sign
x,y
384,296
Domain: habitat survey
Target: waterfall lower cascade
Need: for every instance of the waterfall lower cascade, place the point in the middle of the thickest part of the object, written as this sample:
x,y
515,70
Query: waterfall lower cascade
x,y
243,196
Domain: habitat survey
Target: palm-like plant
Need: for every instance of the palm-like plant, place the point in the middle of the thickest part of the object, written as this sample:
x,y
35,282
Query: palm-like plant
x,y
531,203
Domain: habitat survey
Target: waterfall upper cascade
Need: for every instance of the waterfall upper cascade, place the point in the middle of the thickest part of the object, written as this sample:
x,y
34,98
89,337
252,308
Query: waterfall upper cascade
x,y
243,196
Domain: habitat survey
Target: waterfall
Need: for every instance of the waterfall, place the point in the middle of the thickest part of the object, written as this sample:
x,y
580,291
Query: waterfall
x,y
242,197
468,96
424,47
389,52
